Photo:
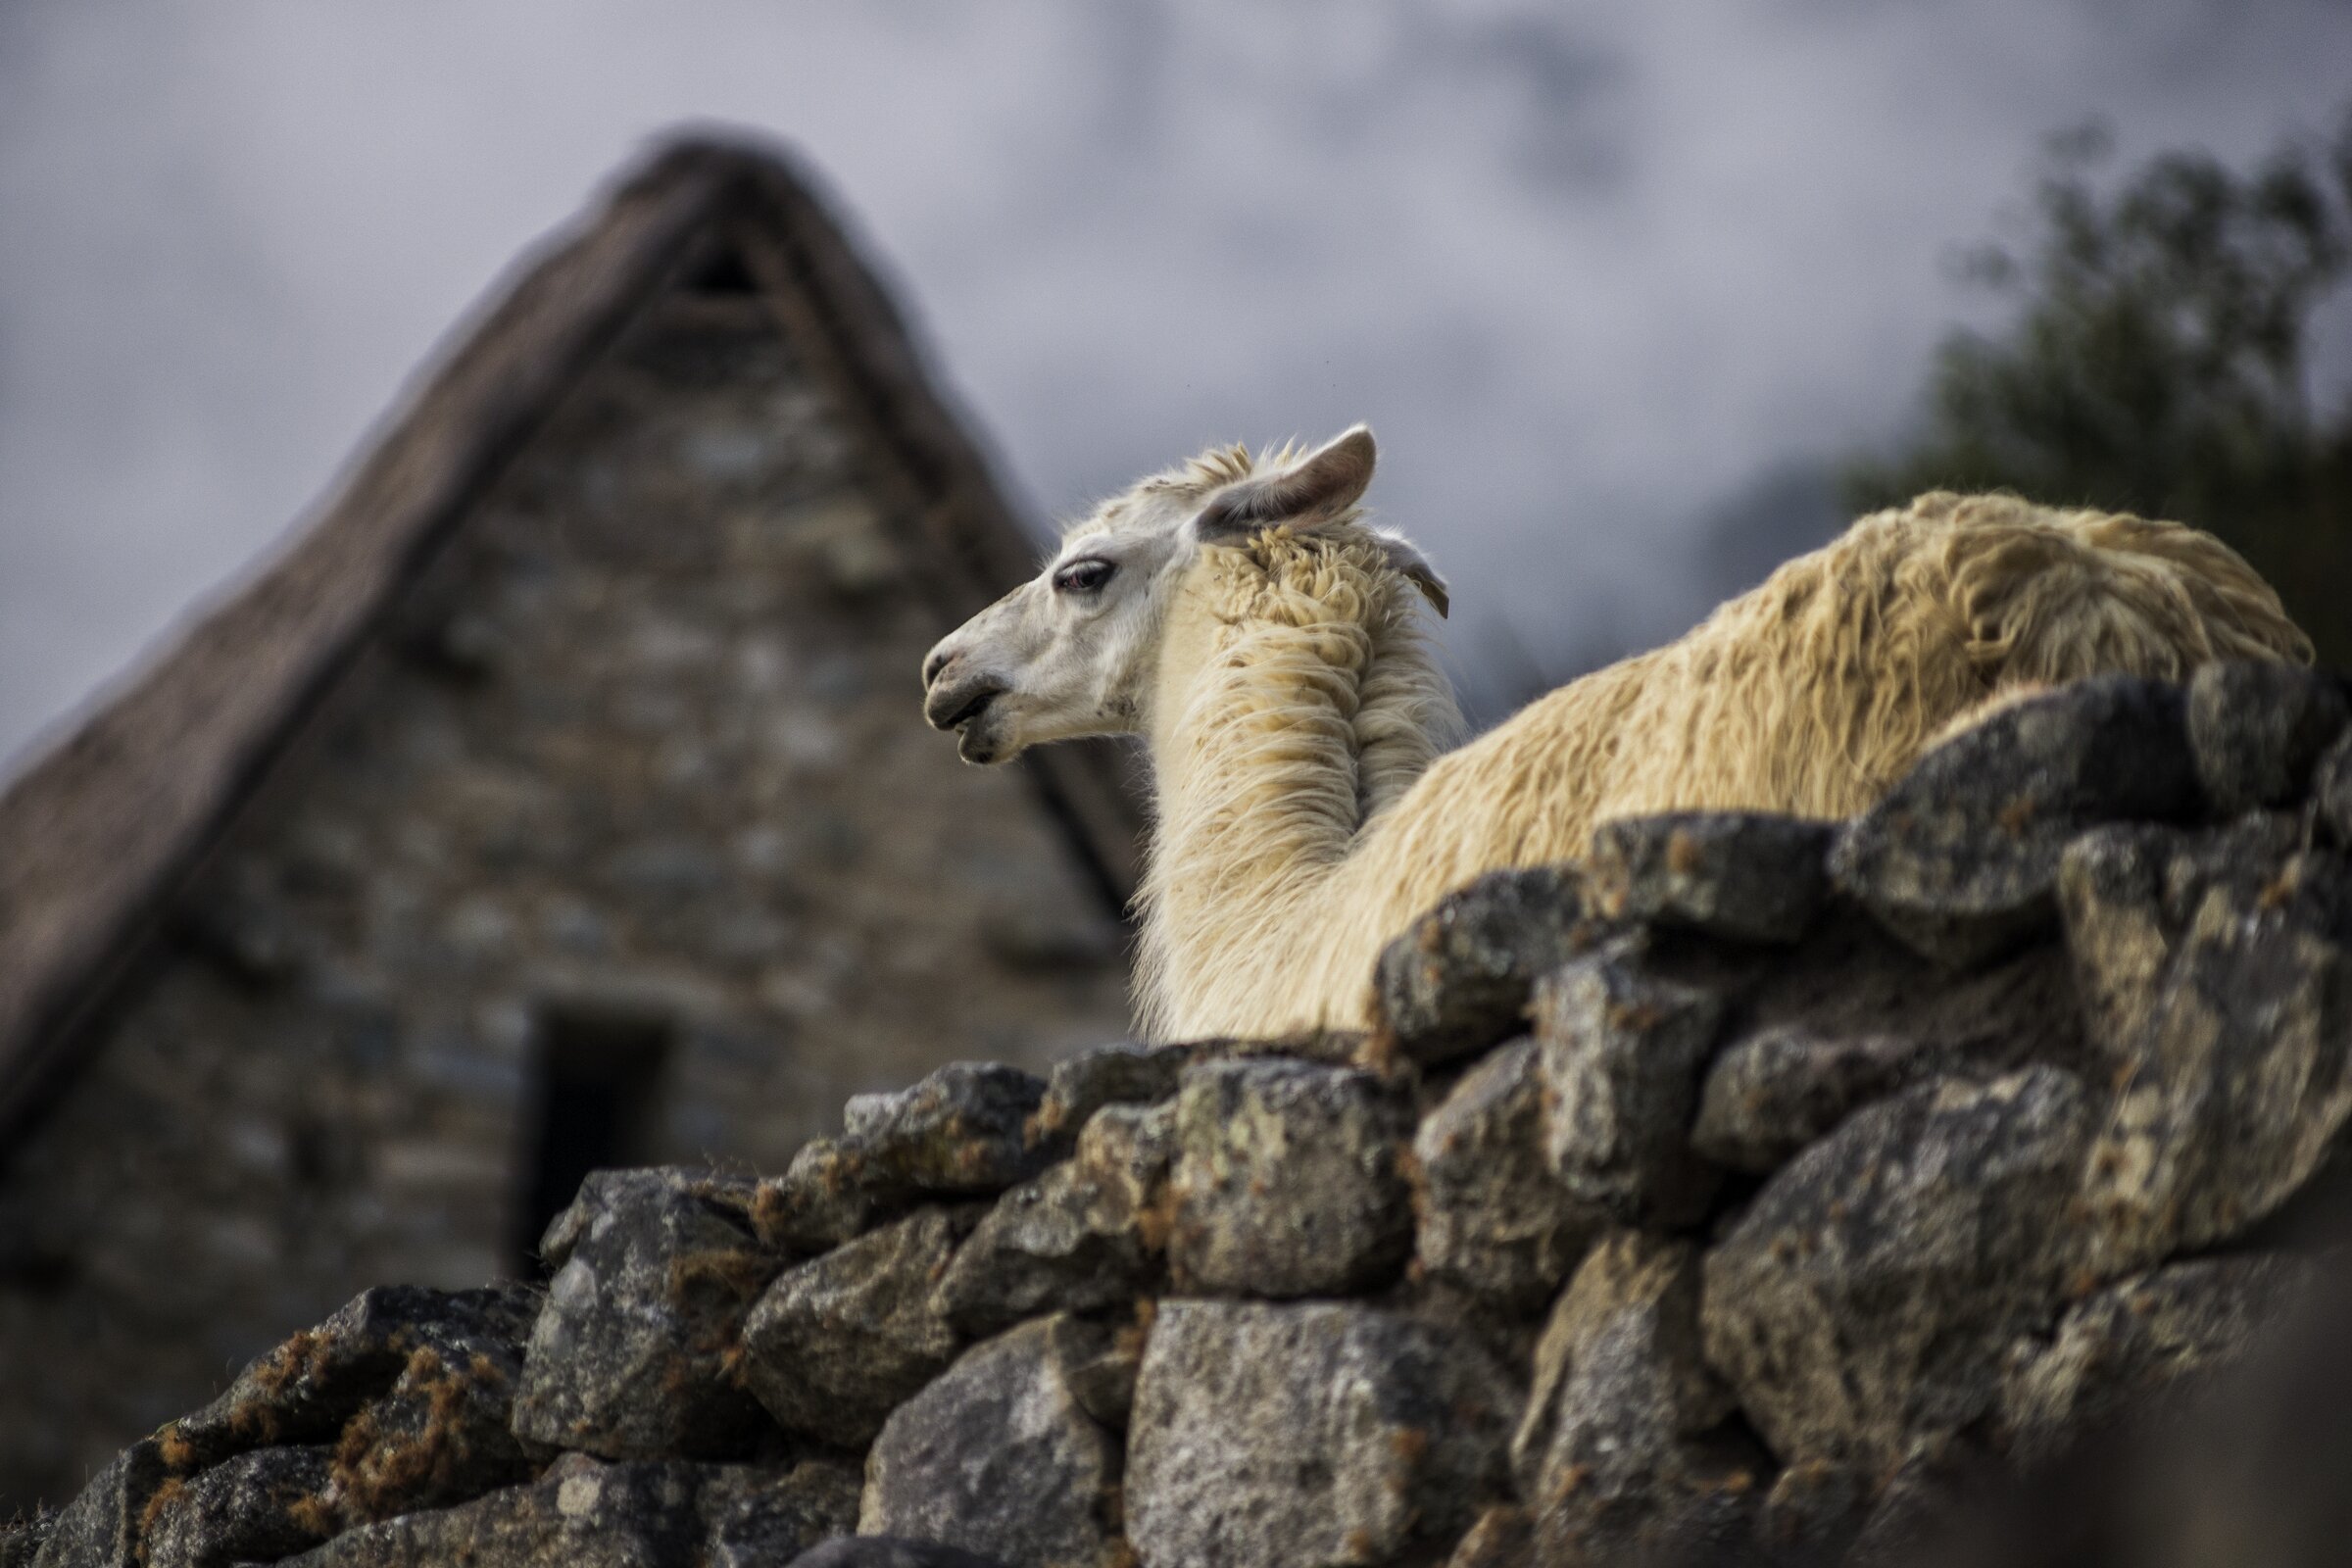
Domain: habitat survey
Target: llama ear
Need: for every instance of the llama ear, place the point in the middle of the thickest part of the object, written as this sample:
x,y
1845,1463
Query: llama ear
x,y
1406,558
1318,486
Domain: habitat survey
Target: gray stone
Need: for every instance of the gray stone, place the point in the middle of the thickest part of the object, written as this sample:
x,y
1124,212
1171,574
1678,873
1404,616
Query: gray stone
x,y
962,1131
1960,859
2331,792
22,1538
830,1192
1289,1181
2240,1080
1101,1363
2115,1348
257,1507
836,1343
756,1517
630,1357
1748,875
1504,1536
442,1434
101,1528
1270,1436
1495,1219
1621,1055
307,1389
999,1456
1088,1234
1915,1509
581,1514
1123,1073
878,1551
1457,980
1813,1513
2126,893
1866,1295
1854,1016
1621,1384
2257,729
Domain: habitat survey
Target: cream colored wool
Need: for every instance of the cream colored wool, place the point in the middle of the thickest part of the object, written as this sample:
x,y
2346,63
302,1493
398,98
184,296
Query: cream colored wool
x,y
1307,808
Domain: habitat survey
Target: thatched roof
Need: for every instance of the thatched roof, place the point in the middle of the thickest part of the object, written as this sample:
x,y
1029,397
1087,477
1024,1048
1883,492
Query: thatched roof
x,y
101,833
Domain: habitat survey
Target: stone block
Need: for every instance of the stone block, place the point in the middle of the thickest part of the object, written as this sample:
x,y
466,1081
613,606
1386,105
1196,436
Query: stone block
x,y
999,1457
1269,1436
1621,1054
1960,859
2116,1349
1750,876
1866,1295
839,1342
257,1507
1494,1218
1457,980
1289,1180
631,1355
2257,729
1087,1233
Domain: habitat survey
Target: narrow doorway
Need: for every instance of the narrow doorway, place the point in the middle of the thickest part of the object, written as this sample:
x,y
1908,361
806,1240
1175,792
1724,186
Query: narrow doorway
x,y
591,1103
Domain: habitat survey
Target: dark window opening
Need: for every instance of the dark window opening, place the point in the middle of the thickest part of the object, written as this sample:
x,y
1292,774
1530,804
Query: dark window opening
x,y
723,273
596,1076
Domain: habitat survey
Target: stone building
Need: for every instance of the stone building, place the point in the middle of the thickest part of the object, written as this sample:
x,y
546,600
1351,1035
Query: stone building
x,y
559,800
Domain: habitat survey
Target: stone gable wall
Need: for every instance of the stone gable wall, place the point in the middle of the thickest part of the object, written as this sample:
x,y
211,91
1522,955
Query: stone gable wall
x,y
642,762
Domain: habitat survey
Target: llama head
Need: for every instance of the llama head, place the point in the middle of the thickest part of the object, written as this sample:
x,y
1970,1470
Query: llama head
x,y
1073,652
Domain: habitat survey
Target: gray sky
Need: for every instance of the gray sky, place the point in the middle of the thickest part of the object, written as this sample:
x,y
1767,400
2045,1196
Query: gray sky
x,y
1596,273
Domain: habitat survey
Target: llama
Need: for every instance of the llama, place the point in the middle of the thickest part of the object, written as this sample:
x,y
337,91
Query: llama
x,y
1312,796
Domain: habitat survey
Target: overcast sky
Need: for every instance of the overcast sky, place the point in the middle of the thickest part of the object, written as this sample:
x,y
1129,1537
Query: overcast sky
x,y
1596,273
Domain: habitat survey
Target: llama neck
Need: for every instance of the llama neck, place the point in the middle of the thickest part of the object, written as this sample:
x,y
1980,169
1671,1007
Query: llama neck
x,y
1296,702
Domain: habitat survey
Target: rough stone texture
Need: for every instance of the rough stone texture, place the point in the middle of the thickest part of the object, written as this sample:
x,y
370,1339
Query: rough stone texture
x,y
307,1389
1620,1382
962,1131
1745,876
632,1356
2256,731
880,1552
586,1514
1289,1180
2241,1078
1854,1016
101,1527
1494,1218
1088,1234
1866,1295
2331,792
444,1433
255,1507
1122,1073
999,1455
753,1517
1459,979
642,760
1504,1536
1310,1433
838,1342
2113,1348
1621,1054
1960,859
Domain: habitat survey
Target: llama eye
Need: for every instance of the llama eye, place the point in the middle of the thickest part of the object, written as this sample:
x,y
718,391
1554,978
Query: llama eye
x,y
1083,577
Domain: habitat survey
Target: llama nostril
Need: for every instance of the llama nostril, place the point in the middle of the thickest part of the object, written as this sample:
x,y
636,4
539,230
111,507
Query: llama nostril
x,y
937,662
972,708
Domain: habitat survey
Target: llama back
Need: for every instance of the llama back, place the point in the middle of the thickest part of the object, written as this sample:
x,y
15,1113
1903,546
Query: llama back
x,y
2051,595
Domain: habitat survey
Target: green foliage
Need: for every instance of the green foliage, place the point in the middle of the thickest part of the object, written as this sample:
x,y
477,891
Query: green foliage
x,y
2157,362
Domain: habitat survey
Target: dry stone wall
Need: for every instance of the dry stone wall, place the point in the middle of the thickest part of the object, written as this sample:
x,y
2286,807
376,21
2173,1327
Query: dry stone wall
x,y
1734,1197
